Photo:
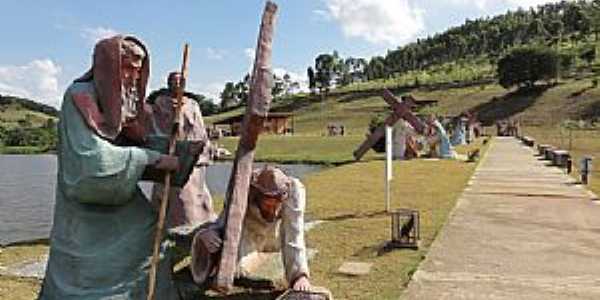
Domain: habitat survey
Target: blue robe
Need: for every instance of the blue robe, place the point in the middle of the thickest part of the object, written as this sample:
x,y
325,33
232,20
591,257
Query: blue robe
x,y
459,134
445,148
103,230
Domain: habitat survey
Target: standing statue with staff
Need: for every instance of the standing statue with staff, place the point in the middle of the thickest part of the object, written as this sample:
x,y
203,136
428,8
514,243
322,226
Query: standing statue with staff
x,y
104,226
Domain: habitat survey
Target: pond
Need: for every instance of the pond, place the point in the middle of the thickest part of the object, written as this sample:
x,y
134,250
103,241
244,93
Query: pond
x,y
27,192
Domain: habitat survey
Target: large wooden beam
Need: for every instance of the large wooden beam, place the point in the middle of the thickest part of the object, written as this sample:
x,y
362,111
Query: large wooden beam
x,y
239,182
401,110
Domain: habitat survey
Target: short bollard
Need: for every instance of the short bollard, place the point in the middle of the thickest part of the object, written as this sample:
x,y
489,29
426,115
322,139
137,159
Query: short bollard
x,y
586,169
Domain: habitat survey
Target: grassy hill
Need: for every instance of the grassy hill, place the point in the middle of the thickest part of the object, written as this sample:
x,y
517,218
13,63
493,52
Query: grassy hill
x,y
26,126
543,107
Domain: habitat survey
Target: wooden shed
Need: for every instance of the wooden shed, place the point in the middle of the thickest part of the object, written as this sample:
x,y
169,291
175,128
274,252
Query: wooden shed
x,y
276,123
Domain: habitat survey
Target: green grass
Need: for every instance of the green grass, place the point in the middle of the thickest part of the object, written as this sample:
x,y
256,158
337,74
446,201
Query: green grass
x,y
304,149
351,197
22,150
583,143
16,288
10,115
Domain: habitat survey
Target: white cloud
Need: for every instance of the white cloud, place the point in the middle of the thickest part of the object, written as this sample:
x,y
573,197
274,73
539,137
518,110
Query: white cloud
x,y
527,3
320,14
390,22
512,4
36,80
211,90
93,35
250,54
215,54
302,79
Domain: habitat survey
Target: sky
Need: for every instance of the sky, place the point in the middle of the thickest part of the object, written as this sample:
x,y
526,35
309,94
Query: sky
x,y
45,45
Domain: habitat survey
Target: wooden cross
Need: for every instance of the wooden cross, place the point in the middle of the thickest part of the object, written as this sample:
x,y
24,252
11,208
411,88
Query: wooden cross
x,y
400,110
236,199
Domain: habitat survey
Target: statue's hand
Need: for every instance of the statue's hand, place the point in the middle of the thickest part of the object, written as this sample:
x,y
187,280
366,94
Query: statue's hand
x,y
302,284
167,163
196,147
211,240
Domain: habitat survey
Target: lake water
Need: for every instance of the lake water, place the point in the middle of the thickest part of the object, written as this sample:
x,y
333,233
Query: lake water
x,y
27,193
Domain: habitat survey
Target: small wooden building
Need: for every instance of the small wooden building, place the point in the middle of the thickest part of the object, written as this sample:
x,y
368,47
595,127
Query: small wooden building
x,y
276,123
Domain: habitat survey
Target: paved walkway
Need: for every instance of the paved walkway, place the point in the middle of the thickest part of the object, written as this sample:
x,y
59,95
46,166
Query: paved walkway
x,y
521,230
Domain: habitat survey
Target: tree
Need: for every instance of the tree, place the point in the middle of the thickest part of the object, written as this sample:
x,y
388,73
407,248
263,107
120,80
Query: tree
x,y
566,61
376,68
207,106
228,96
324,66
536,30
524,66
289,86
589,55
594,16
278,86
312,82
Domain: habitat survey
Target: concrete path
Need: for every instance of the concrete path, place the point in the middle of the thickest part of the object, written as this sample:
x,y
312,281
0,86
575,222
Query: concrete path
x,y
521,230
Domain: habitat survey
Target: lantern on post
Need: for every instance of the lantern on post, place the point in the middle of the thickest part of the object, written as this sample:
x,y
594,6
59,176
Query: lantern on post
x,y
405,229
585,169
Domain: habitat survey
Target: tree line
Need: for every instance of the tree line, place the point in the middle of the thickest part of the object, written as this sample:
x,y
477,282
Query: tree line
x,y
546,26
235,94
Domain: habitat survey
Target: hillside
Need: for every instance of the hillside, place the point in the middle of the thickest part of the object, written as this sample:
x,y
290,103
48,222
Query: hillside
x,y
545,105
26,126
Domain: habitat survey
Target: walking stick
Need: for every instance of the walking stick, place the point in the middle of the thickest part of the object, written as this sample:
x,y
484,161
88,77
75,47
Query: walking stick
x,y
167,180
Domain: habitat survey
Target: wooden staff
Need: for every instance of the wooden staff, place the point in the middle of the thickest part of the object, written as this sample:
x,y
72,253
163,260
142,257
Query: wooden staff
x,y
167,180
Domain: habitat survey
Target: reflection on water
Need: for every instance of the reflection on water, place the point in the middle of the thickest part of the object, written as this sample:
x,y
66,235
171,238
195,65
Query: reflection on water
x,y
27,192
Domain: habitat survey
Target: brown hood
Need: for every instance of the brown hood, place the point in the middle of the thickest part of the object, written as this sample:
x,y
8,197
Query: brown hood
x,y
106,75
271,181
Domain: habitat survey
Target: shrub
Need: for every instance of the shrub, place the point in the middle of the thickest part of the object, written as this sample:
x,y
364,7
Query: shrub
x,y
523,67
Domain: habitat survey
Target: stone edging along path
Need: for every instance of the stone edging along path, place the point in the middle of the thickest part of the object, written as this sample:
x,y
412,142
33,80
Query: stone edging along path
x,y
520,230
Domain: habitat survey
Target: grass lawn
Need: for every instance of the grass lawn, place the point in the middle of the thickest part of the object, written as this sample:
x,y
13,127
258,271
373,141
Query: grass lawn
x,y
583,143
351,199
15,288
304,148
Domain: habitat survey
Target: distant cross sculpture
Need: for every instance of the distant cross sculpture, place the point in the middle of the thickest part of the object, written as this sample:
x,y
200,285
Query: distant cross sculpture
x,y
400,110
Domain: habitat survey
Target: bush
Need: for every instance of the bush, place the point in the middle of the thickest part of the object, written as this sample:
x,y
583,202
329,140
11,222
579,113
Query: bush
x,y
566,61
523,67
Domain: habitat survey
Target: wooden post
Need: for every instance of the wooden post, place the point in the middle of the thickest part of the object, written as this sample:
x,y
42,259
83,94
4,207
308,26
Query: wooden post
x,y
570,138
236,199
388,166
167,181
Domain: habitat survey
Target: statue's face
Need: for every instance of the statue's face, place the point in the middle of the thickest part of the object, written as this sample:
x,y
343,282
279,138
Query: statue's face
x,y
175,80
269,207
131,69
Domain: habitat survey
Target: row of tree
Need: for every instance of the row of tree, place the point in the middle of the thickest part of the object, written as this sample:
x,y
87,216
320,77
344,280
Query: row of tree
x,y
548,25
237,93
207,105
